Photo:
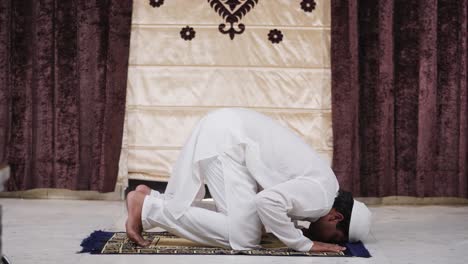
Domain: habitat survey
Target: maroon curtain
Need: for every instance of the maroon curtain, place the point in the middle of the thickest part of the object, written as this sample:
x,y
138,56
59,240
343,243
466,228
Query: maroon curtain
x,y
4,69
399,97
63,72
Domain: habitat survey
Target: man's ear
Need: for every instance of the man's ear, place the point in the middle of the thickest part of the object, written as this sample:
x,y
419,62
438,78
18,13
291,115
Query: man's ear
x,y
336,216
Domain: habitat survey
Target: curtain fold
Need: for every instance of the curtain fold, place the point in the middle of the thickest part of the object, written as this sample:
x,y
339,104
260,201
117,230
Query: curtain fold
x,y
63,89
4,80
399,97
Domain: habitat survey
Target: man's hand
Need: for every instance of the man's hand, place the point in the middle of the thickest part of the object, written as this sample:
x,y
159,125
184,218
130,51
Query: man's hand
x,y
326,247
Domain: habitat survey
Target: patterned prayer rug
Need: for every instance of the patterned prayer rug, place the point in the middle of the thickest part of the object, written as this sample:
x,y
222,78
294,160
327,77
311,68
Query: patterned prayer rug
x,y
100,242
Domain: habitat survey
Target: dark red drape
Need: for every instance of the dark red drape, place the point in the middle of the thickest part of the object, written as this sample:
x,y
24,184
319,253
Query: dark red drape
x,y
399,97
63,72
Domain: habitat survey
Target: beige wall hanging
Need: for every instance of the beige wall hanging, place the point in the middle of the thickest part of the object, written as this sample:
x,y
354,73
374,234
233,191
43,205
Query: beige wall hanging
x,y
190,57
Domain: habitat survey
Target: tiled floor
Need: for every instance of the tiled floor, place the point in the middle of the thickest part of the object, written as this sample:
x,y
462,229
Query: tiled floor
x,y
50,231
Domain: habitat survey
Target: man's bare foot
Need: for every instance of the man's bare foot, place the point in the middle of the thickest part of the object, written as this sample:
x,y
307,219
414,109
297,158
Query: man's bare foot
x,y
135,236
133,224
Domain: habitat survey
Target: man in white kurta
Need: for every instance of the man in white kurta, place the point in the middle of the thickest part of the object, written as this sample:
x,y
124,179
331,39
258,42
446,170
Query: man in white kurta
x,y
258,172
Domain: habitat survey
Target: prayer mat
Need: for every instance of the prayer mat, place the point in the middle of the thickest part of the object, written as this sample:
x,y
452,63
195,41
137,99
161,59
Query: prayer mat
x,y
100,242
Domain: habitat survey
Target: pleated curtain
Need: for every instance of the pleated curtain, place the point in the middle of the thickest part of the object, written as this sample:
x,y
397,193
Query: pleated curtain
x,y
399,97
63,74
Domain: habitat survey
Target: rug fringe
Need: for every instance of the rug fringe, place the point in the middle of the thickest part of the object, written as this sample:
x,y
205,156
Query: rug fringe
x,y
95,242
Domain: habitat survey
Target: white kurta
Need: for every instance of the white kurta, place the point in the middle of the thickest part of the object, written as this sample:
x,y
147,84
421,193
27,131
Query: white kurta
x,y
297,183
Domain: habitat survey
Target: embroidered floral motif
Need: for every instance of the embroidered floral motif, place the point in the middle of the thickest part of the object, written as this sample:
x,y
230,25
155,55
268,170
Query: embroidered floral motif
x,y
187,33
156,3
308,5
275,36
232,11
232,4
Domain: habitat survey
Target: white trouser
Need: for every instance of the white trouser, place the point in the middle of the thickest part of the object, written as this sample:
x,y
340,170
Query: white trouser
x,y
237,228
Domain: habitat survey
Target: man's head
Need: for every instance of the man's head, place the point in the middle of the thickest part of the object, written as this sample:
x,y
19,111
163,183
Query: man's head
x,y
334,226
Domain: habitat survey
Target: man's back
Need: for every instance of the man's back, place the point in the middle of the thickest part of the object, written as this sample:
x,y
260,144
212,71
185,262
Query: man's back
x,y
273,155
283,154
